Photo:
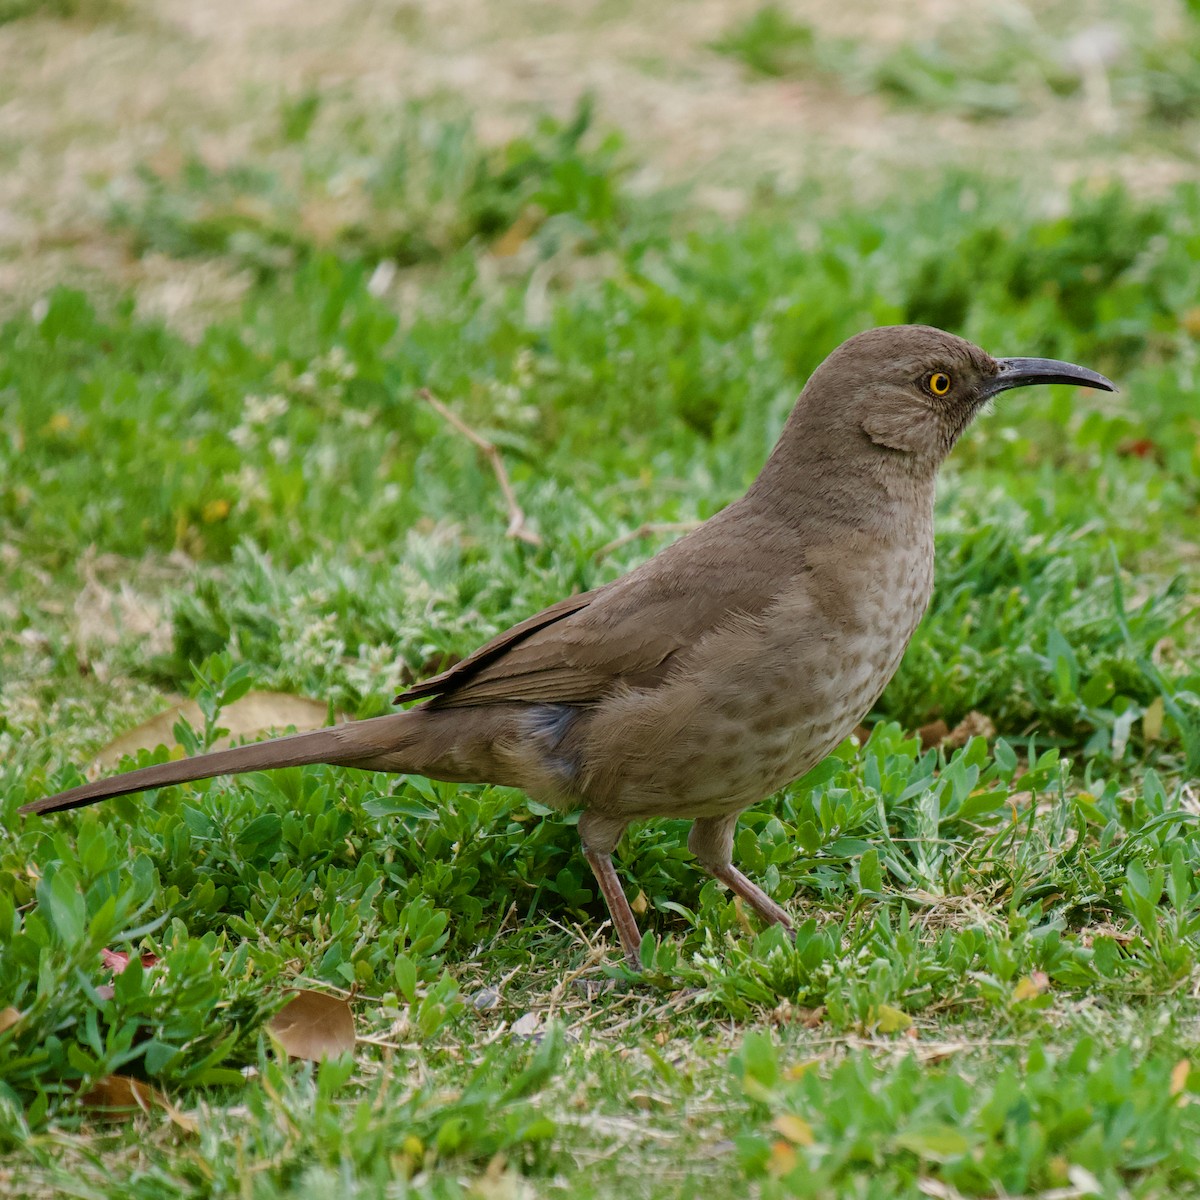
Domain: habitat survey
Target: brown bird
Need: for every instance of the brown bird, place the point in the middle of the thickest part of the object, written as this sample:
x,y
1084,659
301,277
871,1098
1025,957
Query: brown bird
x,y
728,664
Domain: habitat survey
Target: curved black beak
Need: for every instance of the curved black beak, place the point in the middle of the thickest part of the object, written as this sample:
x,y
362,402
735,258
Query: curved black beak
x,y
1021,372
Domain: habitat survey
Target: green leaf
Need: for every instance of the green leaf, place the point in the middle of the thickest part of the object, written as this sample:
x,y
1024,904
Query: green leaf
x,y
887,1019
938,1143
68,911
869,878
760,1065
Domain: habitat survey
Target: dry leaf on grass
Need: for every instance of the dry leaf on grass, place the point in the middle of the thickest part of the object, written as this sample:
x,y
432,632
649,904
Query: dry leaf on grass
x,y
1152,720
9,1017
938,733
313,1026
933,734
796,1129
974,724
1179,1076
117,960
526,1026
800,1069
115,1096
1029,987
783,1159
255,713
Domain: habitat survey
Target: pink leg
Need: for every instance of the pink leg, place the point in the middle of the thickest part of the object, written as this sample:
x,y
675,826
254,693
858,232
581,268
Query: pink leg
x,y
711,841
600,836
618,907
753,895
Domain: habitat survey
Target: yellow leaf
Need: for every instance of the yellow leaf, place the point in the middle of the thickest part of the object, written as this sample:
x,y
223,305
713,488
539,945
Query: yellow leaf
x,y
214,510
800,1069
1152,720
1179,1076
639,904
887,1019
313,1026
783,1159
1030,987
796,1129
739,911
515,236
9,1017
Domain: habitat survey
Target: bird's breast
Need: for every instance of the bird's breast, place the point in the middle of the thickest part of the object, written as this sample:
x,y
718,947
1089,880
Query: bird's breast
x,y
758,702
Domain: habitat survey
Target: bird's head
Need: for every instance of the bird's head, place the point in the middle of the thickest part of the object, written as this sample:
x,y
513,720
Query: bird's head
x,y
909,391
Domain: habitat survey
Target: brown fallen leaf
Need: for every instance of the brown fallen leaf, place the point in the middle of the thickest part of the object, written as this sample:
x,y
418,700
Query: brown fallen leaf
x,y
1138,448
9,1017
117,960
114,1096
974,724
313,1026
933,734
938,733
811,1018
255,713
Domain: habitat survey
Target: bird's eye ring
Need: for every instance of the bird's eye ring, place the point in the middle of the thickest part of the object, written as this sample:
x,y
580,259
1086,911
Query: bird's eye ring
x,y
937,383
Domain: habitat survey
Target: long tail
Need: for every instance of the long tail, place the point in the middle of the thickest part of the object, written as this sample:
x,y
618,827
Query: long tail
x,y
356,742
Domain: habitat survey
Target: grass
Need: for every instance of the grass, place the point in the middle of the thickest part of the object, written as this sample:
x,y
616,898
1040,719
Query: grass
x,y
992,987
409,190
1003,62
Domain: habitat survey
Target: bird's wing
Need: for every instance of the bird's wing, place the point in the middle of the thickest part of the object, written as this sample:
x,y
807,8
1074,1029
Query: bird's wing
x,y
627,632
616,638
455,676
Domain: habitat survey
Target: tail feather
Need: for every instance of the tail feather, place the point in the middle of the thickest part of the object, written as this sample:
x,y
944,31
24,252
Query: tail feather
x,y
339,745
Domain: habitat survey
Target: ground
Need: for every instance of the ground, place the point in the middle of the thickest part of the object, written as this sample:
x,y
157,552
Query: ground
x,y
236,241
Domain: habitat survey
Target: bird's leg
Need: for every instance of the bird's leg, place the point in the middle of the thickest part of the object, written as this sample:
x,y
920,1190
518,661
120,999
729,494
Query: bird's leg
x,y
599,836
711,841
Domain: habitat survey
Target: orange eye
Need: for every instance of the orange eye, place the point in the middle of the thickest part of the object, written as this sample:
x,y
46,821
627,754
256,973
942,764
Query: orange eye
x,y
938,383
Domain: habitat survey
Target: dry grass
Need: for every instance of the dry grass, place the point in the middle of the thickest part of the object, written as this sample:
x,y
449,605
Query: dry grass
x,y
83,101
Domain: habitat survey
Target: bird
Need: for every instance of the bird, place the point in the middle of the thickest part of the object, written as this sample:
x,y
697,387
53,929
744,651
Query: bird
x,y
719,670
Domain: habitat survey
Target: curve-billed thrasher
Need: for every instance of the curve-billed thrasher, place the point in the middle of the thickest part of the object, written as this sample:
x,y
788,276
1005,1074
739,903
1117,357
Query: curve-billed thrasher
x,y
724,667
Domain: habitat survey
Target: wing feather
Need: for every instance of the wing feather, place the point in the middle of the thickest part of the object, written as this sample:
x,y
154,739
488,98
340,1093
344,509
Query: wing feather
x,y
630,632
